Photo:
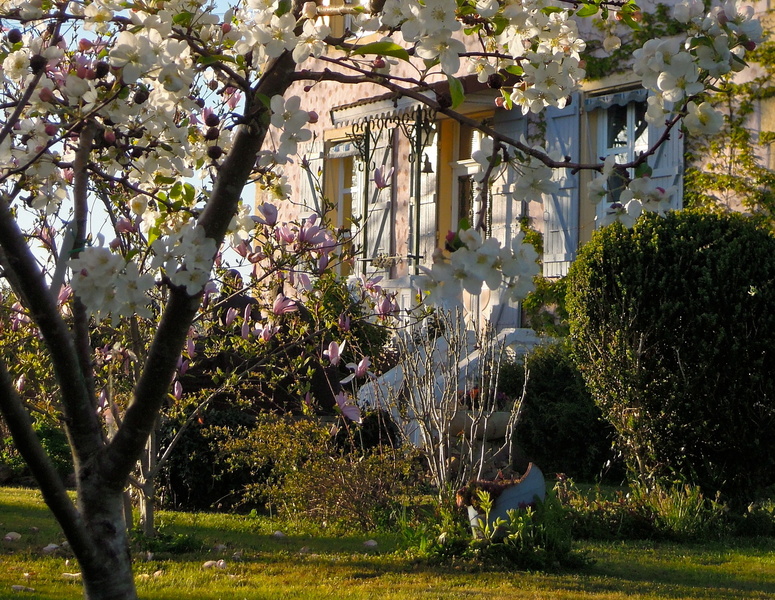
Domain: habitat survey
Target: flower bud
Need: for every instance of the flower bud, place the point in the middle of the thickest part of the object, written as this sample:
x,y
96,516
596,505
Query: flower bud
x,y
46,95
38,63
14,36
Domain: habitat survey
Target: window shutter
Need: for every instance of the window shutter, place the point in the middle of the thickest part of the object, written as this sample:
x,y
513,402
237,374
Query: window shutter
x,y
506,209
561,230
668,162
379,221
312,178
428,239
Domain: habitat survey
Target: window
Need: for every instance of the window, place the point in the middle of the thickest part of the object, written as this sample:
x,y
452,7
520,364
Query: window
x,y
623,133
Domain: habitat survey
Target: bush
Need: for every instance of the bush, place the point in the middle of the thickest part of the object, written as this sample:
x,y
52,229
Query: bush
x,y
678,513
561,429
54,441
534,537
300,472
673,328
195,477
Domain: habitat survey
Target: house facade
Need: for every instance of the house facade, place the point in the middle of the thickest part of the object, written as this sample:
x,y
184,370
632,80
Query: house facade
x,y
398,223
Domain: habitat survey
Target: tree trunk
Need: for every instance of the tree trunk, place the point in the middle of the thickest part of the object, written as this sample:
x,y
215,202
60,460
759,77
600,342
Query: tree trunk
x,y
107,571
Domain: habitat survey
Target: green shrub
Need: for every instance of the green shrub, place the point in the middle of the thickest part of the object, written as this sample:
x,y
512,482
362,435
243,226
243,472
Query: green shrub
x,y
561,429
300,472
54,442
535,537
195,475
678,513
682,512
673,329
611,515
531,538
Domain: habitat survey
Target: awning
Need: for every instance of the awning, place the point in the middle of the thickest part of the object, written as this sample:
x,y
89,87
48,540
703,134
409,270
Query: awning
x,y
618,99
385,106
342,150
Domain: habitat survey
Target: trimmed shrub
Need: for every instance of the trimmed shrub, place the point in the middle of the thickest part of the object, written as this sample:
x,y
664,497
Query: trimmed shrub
x,y
561,429
673,327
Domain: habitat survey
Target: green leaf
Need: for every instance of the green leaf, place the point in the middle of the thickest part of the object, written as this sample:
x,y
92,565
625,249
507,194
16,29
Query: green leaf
x,y
587,10
507,97
643,170
383,49
456,91
213,58
515,70
183,18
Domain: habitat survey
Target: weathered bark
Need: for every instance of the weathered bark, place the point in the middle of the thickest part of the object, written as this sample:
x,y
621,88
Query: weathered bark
x,y
109,577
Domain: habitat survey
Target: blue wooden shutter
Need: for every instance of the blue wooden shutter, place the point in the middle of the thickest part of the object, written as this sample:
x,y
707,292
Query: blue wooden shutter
x,y
312,178
379,218
506,209
561,210
668,162
428,236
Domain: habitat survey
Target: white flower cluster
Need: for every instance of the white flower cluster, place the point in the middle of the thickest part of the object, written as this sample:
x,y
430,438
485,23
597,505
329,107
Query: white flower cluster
x,y
676,70
641,195
532,178
479,262
107,284
551,47
544,44
186,257
290,120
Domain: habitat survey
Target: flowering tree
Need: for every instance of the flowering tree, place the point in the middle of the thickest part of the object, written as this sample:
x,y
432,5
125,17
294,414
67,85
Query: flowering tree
x,y
122,105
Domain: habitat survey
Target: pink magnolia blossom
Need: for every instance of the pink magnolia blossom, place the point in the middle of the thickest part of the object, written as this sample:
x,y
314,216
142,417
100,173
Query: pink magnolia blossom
x,y
359,370
242,249
386,307
285,234
269,214
349,410
232,97
334,352
177,390
267,333
183,365
370,284
190,346
231,314
344,322
245,331
382,180
311,233
64,294
283,305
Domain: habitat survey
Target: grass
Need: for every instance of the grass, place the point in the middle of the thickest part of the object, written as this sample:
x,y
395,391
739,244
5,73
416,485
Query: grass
x,y
309,567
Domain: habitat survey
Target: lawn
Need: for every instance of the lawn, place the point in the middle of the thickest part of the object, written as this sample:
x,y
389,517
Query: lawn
x,y
313,567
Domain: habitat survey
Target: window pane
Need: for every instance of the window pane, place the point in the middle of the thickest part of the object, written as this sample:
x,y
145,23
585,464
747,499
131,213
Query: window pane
x,y
617,127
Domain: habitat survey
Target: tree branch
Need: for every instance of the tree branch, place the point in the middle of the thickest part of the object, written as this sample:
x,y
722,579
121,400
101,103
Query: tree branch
x,y
28,282
81,216
180,311
54,493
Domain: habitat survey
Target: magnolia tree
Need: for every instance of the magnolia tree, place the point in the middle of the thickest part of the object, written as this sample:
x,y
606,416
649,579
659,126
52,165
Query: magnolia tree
x,y
151,116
